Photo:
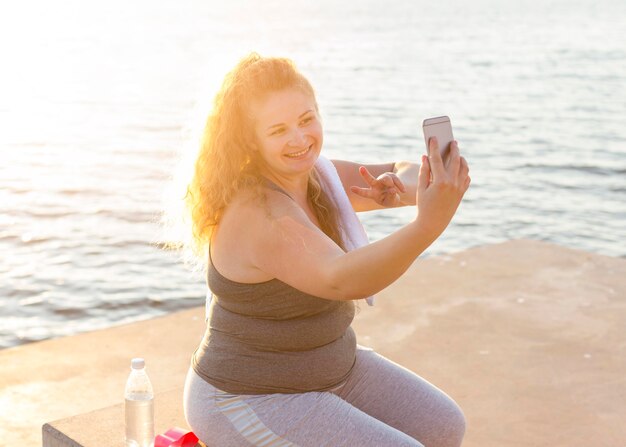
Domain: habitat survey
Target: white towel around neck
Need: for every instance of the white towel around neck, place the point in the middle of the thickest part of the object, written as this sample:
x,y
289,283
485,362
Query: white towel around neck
x,y
352,231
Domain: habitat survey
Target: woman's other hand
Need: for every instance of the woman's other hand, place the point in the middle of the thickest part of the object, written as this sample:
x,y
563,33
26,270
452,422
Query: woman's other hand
x,y
384,190
440,187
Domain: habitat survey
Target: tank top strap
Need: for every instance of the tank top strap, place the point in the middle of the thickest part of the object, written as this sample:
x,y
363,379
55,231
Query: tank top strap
x,y
271,185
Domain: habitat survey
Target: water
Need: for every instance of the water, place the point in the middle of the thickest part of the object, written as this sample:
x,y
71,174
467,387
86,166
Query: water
x,y
139,413
100,98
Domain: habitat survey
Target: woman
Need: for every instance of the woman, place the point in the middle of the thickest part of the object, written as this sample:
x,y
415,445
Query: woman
x,y
279,364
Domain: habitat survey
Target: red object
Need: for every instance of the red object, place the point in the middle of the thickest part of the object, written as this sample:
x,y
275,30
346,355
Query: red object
x,y
176,437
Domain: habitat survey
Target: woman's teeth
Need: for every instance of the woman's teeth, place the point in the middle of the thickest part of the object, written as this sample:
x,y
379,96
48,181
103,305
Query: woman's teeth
x,y
298,154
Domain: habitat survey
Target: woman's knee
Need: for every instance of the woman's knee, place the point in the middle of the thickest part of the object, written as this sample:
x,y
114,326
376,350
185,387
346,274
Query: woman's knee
x,y
444,426
451,428
456,426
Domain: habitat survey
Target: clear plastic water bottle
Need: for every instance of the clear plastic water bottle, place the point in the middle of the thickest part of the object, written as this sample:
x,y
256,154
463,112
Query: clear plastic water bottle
x,y
139,409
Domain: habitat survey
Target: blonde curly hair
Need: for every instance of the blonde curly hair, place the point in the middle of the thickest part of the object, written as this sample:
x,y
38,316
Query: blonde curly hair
x,y
226,162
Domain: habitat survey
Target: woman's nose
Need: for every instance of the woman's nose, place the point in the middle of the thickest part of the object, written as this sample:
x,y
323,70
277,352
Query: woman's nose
x,y
297,138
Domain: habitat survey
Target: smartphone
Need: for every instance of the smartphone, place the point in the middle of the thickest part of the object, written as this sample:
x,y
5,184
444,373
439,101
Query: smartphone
x,y
441,128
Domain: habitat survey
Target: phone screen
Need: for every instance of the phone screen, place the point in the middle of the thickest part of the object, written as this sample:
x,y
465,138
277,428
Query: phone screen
x,y
441,128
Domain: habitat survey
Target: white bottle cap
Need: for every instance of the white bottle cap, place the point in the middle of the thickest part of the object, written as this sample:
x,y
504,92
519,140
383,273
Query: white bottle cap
x,y
137,363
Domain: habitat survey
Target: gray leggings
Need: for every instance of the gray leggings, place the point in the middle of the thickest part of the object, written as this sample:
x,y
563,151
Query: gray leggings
x,y
381,404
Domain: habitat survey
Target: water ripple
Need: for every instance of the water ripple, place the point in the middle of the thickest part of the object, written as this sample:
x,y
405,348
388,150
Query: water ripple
x,y
604,171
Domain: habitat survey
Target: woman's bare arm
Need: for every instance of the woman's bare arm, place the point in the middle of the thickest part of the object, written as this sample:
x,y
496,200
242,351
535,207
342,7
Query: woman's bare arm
x,y
287,245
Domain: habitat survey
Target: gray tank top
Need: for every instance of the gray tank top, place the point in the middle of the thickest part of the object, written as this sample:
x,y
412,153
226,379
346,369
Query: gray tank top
x,y
270,337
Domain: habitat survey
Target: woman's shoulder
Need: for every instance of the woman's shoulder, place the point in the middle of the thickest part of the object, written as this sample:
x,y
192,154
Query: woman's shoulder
x,y
246,230
235,240
252,213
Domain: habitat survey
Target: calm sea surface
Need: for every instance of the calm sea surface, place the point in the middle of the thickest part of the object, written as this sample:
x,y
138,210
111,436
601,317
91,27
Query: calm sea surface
x,y
98,102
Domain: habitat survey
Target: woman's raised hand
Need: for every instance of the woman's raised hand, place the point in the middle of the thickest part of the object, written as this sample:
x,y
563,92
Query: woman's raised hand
x,y
384,190
440,187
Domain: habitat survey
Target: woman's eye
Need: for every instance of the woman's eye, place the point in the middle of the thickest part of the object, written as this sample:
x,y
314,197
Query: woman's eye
x,y
277,131
306,120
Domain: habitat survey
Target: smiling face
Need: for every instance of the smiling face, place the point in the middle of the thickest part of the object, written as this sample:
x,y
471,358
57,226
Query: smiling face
x,y
288,132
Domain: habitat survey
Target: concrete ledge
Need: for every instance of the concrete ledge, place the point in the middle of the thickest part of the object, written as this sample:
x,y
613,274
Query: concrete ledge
x,y
105,427
54,438
528,337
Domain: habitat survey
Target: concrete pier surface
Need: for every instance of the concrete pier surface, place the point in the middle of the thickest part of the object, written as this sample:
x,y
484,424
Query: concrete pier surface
x,y
528,337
